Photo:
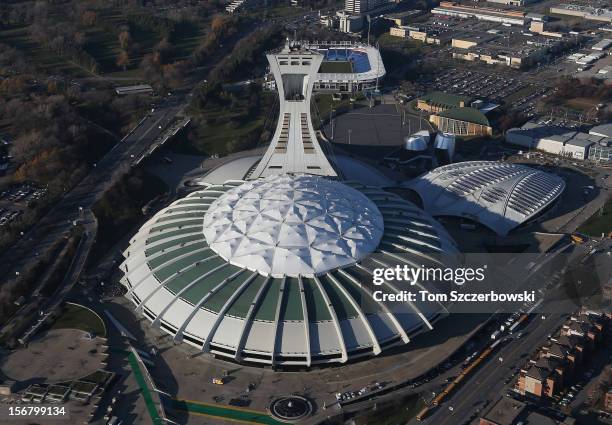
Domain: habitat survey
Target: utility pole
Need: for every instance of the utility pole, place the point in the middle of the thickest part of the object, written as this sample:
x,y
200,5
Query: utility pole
x,y
377,64
369,21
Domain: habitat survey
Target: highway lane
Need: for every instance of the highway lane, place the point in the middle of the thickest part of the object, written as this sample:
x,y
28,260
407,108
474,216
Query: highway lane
x,y
487,384
116,163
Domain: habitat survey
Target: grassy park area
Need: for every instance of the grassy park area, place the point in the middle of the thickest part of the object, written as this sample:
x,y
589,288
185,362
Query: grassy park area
x,y
75,316
600,222
101,43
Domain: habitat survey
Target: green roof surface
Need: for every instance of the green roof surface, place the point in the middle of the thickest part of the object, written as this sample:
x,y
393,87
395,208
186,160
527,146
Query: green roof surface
x,y
472,115
267,307
218,300
241,306
179,224
315,303
169,255
178,232
196,292
162,246
293,301
445,99
187,215
344,309
176,266
363,299
181,280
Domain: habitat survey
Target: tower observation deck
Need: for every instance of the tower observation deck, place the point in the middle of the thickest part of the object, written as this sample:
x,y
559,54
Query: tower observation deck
x,y
294,147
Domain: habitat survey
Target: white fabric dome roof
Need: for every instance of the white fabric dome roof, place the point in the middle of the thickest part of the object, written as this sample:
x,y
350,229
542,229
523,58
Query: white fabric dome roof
x,y
289,225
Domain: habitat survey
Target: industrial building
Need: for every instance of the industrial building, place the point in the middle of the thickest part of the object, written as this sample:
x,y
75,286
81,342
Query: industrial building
x,y
349,23
601,151
558,141
360,7
467,11
602,45
507,48
402,18
274,267
518,3
586,12
498,195
428,34
603,130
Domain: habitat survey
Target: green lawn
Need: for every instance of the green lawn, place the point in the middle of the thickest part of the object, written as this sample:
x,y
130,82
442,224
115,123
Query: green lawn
x,y
103,46
47,60
600,222
77,317
214,138
325,103
336,67
226,127
186,38
399,412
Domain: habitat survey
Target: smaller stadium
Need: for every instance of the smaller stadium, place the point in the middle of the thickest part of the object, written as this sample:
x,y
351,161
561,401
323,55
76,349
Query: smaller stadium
x,y
347,66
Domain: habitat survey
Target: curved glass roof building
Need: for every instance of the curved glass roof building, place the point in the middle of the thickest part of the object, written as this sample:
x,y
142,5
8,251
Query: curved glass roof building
x,y
499,195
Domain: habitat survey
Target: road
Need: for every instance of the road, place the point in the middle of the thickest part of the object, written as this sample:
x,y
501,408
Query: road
x,y
487,384
114,165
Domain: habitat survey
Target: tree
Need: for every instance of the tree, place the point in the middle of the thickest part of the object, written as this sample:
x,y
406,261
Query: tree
x,y
89,18
123,60
124,39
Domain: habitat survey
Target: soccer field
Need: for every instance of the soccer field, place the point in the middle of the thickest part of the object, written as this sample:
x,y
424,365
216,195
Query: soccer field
x,y
336,67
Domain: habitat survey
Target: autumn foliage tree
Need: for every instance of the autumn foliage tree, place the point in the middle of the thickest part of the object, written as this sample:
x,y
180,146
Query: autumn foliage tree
x,y
123,60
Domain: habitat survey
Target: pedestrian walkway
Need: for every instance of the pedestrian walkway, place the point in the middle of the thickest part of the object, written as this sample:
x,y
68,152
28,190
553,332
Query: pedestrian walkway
x,y
227,413
146,393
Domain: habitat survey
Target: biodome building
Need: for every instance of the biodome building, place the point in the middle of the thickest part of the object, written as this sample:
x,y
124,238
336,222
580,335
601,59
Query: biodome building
x,y
274,269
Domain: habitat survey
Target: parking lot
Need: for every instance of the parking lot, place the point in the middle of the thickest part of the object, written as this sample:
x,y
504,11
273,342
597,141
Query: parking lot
x,y
474,83
23,194
528,104
15,199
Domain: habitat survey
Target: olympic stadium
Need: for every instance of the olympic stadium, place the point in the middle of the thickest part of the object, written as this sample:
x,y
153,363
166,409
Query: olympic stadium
x,y
271,260
272,271
500,196
272,266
